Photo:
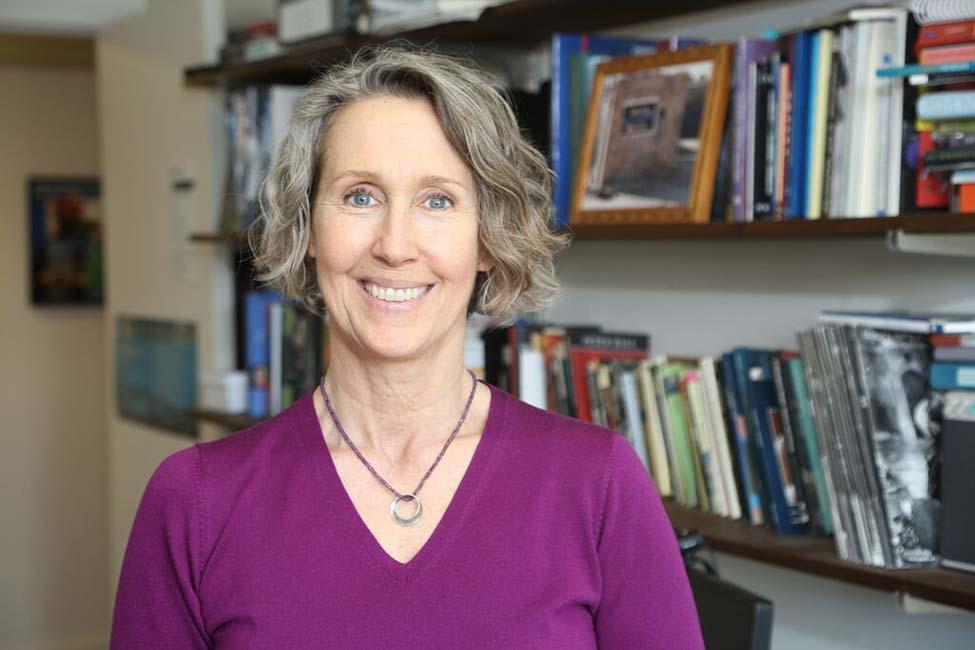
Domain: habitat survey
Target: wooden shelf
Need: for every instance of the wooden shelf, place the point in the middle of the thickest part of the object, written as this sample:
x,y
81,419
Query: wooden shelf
x,y
816,555
943,223
794,228
233,421
523,22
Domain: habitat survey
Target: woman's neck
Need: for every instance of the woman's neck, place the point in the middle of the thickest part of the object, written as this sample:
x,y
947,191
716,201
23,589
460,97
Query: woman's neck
x,y
394,409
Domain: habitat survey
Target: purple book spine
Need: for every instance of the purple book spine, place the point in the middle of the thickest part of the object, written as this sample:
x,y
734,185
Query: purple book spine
x,y
748,50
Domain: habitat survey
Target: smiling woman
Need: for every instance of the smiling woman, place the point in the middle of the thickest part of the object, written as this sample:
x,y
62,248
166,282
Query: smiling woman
x,y
404,503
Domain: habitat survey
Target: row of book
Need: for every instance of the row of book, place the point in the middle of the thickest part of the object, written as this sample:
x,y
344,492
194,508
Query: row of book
x,y
256,122
815,132
841,439
944,79
286,352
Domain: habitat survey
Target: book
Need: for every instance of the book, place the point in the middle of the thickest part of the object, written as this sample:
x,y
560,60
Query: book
x,y
890,374
749,479
679,426
747,52
905,321
960,53
656,445
938,68
953,376
945,33
716,415
258,351
948,104
595,346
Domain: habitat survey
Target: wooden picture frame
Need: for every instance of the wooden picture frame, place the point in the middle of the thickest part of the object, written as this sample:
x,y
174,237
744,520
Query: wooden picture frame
x,y
652,138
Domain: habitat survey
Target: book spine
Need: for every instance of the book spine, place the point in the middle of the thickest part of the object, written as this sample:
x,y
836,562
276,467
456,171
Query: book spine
x,y
746,52
946,33
953,339
952,376
808,441
947,54
760,196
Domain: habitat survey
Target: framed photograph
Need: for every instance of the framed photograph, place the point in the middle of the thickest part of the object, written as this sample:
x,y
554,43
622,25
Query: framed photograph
x,y
652,138
65,240
155,373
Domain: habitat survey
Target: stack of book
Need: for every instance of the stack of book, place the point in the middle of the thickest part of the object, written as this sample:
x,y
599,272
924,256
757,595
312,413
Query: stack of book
x,y
842,440
257,119
944,77
815,132
286,352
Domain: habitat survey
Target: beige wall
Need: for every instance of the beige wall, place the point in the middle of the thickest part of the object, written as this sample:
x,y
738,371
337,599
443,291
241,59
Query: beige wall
x,y
53,470
151,125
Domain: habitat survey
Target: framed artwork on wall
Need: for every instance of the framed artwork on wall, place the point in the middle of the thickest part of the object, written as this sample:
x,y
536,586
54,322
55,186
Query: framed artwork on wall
x,y
65,240
652,138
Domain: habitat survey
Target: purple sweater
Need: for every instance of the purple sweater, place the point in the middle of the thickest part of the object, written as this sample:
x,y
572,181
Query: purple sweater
x,y
555,538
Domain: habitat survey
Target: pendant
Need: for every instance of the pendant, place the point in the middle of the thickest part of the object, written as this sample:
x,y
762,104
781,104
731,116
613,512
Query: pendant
x,y
412,519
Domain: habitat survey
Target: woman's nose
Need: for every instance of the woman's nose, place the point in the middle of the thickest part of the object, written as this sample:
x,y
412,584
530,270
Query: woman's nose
x,y
395,241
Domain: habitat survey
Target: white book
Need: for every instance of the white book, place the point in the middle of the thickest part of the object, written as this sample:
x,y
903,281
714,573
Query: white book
x,y
275,330
656,366
654,431
701,431
712,404
855,187
634,417
531,377
871,161
814,201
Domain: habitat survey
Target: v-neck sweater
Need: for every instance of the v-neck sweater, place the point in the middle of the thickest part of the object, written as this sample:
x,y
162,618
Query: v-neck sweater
x,y
555,538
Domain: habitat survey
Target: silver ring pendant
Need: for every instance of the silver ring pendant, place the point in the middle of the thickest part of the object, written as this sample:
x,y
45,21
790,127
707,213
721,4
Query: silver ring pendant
x,y
415,517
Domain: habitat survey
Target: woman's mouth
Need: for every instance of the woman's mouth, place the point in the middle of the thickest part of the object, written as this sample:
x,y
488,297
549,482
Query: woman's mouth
x,y
390,296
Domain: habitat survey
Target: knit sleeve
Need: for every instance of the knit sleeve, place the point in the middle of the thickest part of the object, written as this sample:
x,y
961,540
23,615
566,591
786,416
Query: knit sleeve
x,y
157,603
646,600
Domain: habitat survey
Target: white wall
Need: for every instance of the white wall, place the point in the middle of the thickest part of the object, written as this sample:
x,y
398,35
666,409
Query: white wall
x,y
53,488
708,296
151,123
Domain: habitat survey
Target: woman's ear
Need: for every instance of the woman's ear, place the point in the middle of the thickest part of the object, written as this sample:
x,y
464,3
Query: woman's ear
x,y
485,263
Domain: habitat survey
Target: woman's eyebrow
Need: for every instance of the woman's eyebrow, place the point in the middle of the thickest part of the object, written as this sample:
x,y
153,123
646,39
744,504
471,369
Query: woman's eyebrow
x,y
429,179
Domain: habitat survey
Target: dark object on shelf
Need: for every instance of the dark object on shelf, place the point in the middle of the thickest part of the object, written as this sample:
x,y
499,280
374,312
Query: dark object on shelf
x,y
730,617
958,482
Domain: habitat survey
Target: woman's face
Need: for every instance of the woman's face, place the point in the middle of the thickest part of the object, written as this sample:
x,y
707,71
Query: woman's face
x,y
394,229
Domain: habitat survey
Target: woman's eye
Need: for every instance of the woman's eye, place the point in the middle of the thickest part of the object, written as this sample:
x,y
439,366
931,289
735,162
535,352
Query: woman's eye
x,y
360,198
439,202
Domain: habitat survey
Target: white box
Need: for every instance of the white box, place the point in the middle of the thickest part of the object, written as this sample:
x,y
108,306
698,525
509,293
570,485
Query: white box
x,y
302,19
225,392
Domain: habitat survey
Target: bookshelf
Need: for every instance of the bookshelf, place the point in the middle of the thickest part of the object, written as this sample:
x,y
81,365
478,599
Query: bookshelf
x,y
931,223
527,22
816,555
523,22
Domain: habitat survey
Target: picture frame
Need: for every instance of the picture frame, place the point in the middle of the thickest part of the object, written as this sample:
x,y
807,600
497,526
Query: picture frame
x,y
65,229
652,138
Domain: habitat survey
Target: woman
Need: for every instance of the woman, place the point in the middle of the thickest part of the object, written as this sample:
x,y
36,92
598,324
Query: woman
x,y
403,503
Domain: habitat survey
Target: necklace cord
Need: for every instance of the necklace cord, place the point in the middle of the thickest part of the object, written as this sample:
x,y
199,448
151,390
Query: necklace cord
x,y
405,497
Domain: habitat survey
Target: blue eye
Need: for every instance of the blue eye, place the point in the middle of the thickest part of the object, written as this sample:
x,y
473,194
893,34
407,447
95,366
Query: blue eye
x,y
357,197
442,202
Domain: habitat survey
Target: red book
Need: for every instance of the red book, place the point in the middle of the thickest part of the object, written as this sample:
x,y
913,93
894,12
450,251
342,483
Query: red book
x,y
945,33
580,359
952,340
932,190
947,54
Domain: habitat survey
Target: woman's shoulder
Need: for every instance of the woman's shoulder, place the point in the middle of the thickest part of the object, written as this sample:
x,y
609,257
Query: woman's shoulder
x,y
560,440
227,464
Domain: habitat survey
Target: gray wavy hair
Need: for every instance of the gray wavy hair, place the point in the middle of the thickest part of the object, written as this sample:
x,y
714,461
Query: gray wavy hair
x,y
511,178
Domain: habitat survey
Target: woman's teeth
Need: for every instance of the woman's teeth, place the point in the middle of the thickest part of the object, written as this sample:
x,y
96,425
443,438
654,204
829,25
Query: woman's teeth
x,y
394,295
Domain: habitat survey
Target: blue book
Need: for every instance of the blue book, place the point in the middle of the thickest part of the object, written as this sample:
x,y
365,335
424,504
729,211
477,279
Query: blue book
x,y
808,167
936,68
258,351
754,368
750,484
952,376
574,59
801,51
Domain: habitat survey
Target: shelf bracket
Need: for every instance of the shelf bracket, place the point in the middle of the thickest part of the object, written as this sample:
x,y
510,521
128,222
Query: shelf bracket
x,y
951,245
